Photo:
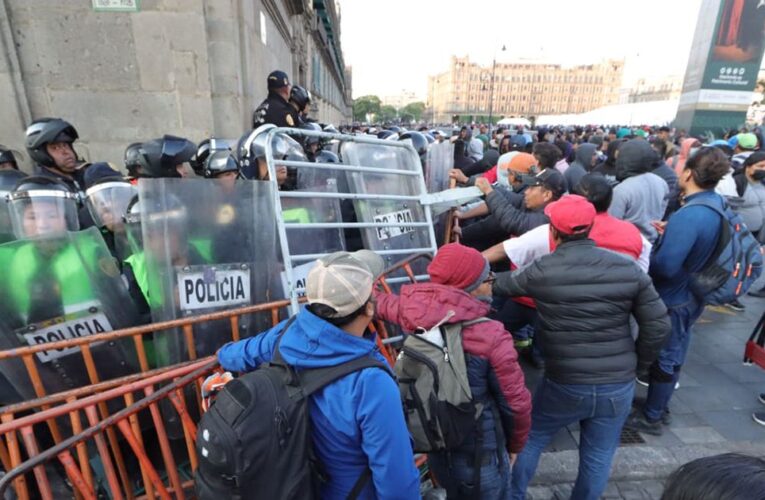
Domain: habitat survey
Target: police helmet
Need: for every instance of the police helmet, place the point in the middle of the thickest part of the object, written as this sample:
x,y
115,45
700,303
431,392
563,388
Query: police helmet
x,y
419,142
220,162
327,157
47,131
385,134
6,156
9,179
107,199
160,157
330,128
300,96
203,153
132,159
309,140
429,137
41,206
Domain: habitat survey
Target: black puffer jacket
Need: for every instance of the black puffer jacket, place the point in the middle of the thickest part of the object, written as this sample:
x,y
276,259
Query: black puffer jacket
x,y
584,297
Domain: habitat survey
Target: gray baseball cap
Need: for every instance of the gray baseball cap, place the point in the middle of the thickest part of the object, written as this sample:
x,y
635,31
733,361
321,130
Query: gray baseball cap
x,y
344,280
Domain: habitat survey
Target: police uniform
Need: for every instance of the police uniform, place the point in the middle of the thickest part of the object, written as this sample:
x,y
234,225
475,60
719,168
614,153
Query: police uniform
x,y
275,109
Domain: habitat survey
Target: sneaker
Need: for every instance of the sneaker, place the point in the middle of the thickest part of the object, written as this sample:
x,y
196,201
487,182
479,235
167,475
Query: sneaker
x,y
666,417
735,305
644,381
759,417
761,397
638,422
758,293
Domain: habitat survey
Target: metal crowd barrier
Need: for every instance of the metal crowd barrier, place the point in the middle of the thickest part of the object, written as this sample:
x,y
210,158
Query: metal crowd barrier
x,y
117,438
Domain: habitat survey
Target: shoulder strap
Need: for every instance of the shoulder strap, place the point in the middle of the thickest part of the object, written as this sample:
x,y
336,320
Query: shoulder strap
x,y
276,358
723,236
482,319
314,379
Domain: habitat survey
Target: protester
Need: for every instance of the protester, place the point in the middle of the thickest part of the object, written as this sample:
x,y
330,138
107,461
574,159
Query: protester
x,y
460,291
591,357
750,186
641,196
584,161
608,167
687,243
357,421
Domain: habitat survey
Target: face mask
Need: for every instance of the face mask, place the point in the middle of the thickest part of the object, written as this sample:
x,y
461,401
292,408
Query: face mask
x,y
758,175
503,177
486,299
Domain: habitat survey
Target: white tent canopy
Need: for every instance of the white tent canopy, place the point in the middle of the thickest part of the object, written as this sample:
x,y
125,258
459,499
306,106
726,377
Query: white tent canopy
x,y
514,122
636,113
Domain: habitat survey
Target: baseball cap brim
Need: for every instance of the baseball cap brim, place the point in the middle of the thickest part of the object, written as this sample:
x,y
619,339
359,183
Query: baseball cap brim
x,y
531,180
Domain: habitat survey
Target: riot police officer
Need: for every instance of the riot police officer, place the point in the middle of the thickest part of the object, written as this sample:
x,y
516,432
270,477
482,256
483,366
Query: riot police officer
x,y
49,144
276,108
7,160
300,98
132,163
169,156
8,180
106,199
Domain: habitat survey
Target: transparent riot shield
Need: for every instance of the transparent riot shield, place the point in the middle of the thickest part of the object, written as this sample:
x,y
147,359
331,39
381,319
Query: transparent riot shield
x,y
440,160
208,246
385,184
60,288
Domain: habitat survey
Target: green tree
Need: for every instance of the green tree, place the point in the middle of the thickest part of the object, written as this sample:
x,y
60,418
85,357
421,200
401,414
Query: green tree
x,y
387,114
364,105
413,111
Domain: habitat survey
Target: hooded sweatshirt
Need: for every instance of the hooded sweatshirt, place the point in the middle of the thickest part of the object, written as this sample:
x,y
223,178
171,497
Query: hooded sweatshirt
x,y
641,196
492,363
356,421
608,168
581,166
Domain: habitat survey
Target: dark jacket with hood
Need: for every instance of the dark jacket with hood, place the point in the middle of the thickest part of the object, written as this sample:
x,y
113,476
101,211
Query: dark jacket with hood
x,y
581,166
585,296
492,363
667,173
608,167
641,196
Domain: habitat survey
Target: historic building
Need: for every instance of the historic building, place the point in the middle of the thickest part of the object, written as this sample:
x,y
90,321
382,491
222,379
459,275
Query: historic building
x,y
468,90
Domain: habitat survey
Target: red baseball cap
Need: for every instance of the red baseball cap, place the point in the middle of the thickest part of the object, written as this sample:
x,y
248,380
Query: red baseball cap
x,y
572,214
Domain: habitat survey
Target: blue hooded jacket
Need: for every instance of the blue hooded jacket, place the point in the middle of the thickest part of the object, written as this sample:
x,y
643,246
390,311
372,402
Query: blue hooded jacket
x,y
357,421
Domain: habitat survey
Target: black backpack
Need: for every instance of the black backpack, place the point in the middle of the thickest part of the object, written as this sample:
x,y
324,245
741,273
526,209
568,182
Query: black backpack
x,y
255,440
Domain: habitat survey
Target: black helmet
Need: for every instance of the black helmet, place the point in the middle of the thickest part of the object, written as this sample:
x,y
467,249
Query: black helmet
x,y
429,137
203,153
132,159
310,140
327,157
395,129
42,193
385,134
419,141
160,157
9,179
6,156
300,96
46,131
220,162
330,128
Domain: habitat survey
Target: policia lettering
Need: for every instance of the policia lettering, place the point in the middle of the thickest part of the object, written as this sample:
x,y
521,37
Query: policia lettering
x,y
204,287
63,330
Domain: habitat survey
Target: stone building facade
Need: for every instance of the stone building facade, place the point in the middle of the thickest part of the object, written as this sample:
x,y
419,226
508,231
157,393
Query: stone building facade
x,y
521,89
194,68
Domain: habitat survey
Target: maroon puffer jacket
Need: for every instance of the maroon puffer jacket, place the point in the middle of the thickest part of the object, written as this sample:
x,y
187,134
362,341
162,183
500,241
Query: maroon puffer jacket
x,y
492,362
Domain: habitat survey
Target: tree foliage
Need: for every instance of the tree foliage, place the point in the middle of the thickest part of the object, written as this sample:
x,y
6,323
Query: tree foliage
x,y
364,105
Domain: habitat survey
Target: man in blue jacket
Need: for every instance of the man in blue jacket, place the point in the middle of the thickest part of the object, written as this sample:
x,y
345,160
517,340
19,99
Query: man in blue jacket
x,y
357,421
686,246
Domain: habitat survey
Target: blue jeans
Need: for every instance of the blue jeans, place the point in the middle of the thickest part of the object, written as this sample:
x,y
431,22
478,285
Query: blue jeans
x,y
666,370
458,479
600,410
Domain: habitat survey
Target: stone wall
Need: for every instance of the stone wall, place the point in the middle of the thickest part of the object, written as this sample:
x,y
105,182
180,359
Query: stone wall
x,y
192,68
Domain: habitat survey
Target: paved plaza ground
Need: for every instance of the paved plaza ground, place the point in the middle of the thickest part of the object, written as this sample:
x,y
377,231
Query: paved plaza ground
x,y
711,414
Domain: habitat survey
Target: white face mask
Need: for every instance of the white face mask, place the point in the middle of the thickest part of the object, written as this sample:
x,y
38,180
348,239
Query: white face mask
x,y
503,177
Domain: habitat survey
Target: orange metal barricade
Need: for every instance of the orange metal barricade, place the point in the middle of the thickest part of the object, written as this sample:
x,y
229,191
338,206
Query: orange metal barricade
x,y
118,438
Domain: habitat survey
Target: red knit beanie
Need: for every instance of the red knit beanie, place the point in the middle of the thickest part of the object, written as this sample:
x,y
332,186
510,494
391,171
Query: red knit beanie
x,y
459,266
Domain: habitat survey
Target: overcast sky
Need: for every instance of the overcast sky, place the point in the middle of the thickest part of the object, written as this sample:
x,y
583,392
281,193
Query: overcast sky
x,y
394,45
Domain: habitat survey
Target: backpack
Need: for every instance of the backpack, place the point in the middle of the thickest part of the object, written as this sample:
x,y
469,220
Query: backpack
x,y
433,382
735,263
255,441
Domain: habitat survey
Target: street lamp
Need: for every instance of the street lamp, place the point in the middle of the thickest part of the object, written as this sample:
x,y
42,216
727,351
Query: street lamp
x,y
491,89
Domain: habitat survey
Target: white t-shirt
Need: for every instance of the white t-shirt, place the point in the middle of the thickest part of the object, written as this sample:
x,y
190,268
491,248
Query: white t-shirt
x,y
533,244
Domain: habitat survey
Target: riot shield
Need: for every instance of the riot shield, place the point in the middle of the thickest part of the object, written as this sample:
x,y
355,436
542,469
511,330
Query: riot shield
x,y
207,246
393,242
440,160
60,288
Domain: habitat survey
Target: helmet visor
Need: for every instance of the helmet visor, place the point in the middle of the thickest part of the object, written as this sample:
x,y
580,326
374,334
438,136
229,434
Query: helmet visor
x,y
43,213
107,203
